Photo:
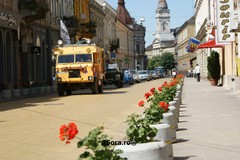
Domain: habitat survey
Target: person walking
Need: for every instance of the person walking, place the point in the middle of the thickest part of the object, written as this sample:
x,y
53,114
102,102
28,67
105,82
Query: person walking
x,y
197,71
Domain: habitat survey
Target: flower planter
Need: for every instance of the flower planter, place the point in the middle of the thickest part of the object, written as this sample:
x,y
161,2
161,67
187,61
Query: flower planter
x,y
168,118
213,82
177,105
144,151
172,108
16,93
6,94
165,134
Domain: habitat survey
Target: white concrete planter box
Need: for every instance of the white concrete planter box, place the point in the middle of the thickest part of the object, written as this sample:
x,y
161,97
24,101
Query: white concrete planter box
x,y
168,118
16,93
165,133
177,105
25,91
173,110
145,151
6,94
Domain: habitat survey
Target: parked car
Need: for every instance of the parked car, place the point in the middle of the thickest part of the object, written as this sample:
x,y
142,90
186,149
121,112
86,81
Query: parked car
x,y
154,74
113,76
160,72
135,75
144,75
127,77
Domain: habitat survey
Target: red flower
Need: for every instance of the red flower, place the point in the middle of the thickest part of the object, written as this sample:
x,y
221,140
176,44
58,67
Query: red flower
x,y
164,105
68,132
141,103
147,95
160,89
152,90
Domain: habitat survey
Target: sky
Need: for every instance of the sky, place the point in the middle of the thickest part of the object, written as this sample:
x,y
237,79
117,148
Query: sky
x,y
180,11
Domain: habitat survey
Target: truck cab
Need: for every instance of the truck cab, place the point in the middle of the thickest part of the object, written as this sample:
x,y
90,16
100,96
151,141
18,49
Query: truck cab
x,y
79,66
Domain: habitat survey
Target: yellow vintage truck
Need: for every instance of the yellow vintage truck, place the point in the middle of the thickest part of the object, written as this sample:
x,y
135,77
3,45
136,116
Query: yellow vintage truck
x,y
79,66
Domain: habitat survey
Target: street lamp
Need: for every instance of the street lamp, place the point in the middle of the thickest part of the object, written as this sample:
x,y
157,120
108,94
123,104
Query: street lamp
x,y
104,4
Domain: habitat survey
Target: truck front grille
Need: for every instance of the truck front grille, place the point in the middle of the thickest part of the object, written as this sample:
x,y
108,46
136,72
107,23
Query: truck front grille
x,y
74,73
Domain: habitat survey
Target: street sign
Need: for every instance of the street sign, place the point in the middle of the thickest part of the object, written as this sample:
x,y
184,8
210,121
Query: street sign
x,y
35,49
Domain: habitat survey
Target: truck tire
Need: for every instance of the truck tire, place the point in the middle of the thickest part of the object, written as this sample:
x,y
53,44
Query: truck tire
x,y
120,84
60,90
100,87
94,86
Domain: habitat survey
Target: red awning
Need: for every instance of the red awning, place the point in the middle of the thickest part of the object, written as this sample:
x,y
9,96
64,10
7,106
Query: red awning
x,y
210,44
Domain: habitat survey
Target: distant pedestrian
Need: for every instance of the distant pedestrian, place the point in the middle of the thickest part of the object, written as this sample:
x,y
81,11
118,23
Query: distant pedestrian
x,y
197,71
174,73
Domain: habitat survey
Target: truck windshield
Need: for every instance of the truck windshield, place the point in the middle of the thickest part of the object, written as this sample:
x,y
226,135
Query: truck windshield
x,y
84,58
65,58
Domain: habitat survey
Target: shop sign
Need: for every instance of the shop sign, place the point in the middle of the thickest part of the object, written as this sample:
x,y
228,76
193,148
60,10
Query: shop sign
x,y
224,9
8,18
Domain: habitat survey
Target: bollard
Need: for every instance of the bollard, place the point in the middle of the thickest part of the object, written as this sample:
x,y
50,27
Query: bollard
x,y
164,134
173,110
169,119
144,151
177,105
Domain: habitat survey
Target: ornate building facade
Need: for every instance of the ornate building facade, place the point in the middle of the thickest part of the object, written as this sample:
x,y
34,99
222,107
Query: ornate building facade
x,y
163,36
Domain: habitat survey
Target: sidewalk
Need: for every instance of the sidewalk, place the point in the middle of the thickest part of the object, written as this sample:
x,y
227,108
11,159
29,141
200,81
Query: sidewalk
x,y
209,127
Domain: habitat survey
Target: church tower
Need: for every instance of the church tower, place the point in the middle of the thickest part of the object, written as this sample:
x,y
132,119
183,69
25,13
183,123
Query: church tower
x,y
163,35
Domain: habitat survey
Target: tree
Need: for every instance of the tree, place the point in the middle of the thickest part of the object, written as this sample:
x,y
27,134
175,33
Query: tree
x,y
154,62
167,60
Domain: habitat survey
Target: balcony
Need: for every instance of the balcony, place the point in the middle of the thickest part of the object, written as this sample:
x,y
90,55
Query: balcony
x,y
33,10
72,24
114,44
88,30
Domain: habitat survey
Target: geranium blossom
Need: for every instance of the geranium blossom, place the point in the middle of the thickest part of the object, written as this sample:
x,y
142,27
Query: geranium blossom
x,y
152,91
164,105
147,95
68,132
141,103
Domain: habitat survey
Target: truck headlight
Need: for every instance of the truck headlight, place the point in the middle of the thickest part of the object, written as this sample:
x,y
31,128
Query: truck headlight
x,y
90,78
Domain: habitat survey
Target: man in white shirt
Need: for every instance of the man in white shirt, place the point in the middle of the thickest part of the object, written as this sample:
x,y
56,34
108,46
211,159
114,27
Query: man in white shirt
x,y
197,71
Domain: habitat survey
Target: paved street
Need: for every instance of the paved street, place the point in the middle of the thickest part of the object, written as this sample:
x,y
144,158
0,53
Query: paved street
x,y
208,127
30,127
209,123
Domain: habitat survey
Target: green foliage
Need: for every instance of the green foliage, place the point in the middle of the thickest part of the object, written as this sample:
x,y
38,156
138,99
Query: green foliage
x,y
139,129
213,66
98,150
153,114
166,60
154,62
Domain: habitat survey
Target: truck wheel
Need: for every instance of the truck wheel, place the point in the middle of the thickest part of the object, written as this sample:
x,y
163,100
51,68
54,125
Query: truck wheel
x,y
94,86
100,87
60,90
119,84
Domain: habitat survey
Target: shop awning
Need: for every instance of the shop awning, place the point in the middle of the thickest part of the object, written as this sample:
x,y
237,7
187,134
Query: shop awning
x,y
210,44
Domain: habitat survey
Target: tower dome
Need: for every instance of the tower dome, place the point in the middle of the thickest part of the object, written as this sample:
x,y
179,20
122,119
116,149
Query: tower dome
x,y
162,4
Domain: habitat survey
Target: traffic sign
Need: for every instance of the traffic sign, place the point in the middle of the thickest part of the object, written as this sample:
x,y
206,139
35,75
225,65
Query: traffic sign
x,y
35,49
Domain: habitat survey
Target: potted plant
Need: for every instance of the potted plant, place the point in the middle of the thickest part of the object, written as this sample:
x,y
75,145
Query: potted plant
x,y
96,144
213,67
